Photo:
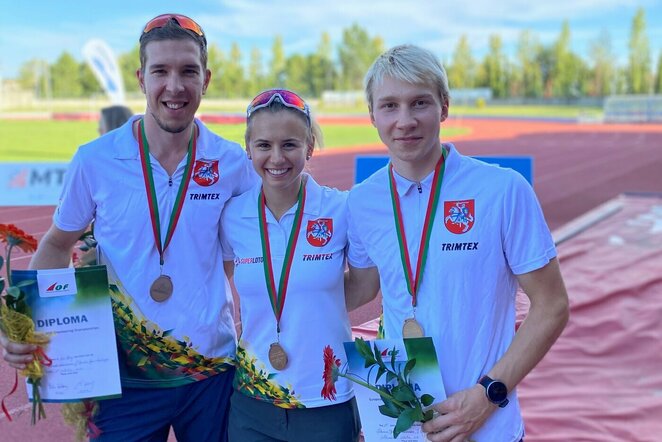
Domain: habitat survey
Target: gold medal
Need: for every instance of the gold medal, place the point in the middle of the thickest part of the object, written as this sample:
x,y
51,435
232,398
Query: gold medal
x,y
277,356
161,289
412,329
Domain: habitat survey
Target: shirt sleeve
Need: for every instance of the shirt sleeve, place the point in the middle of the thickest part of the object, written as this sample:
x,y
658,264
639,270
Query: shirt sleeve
x,y
527,242
248,178
357,255
76,207
226,248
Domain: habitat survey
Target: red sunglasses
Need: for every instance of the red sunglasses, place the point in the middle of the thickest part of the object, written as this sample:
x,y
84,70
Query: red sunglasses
x,y
287,98
182,20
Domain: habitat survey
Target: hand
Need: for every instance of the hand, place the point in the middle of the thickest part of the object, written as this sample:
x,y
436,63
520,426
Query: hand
x,y
459,416
17,355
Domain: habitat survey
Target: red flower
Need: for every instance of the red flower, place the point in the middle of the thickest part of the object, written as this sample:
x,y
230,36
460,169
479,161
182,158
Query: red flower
x,y
330,376
13,236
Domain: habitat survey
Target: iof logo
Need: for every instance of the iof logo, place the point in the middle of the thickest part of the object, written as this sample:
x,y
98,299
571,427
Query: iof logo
x,y
57,287
205,172
459,216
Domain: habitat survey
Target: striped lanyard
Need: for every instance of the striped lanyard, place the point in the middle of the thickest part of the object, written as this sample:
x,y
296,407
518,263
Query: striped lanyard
x,y
277,295
151,191
414,281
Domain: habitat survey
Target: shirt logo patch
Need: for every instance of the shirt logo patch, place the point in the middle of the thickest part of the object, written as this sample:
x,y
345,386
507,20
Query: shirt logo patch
x,y
205,172
319,232
459,216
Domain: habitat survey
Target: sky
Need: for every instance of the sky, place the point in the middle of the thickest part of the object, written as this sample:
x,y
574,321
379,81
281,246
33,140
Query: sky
x,y
43,29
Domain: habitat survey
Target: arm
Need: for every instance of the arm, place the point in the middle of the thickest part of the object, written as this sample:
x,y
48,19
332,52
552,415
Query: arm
x,y
361,286
54,252
466,411
55,248
228,266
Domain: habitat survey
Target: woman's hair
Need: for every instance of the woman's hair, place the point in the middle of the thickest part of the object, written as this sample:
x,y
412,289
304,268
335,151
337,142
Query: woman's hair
x,y
314,130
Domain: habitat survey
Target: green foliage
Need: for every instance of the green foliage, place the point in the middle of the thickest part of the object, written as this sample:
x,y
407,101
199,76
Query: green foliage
x,y
603,71
400,400
462,71
356,53
65,77
530,80
639,63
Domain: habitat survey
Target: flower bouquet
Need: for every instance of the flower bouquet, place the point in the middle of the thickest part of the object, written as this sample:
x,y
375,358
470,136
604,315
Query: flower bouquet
x,y
16,320
390,379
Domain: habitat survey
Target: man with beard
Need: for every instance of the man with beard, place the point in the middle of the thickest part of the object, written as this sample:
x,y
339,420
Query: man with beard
x,y
155,189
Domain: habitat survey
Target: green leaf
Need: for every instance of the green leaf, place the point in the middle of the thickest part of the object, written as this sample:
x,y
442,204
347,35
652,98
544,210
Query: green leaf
x,y
380,373
25,283
14,292
390,377
427,400
410,364
363,348
403,423
403,393
417,413
428,415
378,357
387,411
394,355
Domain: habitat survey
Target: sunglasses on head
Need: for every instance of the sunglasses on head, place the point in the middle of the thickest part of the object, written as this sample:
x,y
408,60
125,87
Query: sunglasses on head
x,y
182,20
287,98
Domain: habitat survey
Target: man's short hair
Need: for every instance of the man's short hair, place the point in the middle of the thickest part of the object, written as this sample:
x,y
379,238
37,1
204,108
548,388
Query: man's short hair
x,y
408,63
172,31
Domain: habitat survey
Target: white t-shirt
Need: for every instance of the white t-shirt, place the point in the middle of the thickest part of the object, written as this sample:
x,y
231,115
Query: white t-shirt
x,y
191,336
314,313
488,228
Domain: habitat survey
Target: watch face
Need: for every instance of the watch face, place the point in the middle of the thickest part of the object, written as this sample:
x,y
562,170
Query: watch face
x,y
497,391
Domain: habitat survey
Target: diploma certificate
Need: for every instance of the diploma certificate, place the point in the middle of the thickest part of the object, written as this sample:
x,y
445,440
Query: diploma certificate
x,y
425,378
73,307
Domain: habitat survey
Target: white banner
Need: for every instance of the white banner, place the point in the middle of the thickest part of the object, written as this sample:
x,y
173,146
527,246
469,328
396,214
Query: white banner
x,y
103,63
31,184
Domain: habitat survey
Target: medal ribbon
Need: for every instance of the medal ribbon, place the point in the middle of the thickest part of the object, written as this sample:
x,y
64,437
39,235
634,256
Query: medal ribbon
x,y
277,297
151,191
413,282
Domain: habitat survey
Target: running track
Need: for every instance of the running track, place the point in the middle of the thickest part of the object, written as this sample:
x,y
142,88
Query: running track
x,y
576,168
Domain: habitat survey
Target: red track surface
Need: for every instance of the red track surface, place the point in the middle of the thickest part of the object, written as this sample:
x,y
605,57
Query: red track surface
x,y
576,168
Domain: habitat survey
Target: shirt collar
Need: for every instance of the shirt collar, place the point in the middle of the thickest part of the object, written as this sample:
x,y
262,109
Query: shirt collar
x,y
405,186
312,206
127,147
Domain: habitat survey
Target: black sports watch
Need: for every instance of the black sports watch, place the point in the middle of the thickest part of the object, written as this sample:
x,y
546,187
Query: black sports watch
x,y
495,390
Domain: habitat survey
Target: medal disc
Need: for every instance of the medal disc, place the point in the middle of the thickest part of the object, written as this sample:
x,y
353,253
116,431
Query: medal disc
x,y
412,329
277,356
161,288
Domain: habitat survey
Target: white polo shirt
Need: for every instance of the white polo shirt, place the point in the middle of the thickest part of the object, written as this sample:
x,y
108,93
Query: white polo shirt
x,y
314,313
488,228
190,336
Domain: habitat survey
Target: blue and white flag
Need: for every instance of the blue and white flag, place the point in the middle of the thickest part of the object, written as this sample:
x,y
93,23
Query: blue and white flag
x,y
103,63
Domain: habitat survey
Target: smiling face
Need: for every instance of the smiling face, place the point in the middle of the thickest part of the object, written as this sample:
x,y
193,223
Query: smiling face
x,y
279,144
407,117
173,81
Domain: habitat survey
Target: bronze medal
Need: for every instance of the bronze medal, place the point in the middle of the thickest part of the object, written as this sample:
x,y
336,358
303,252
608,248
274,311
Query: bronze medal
x,y
277,356
412,329
161,289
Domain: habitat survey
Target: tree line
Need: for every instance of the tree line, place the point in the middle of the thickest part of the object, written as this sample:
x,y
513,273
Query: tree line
x,y
535,70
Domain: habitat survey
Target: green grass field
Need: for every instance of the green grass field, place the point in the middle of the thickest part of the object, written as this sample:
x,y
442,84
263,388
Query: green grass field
x,y
57,140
